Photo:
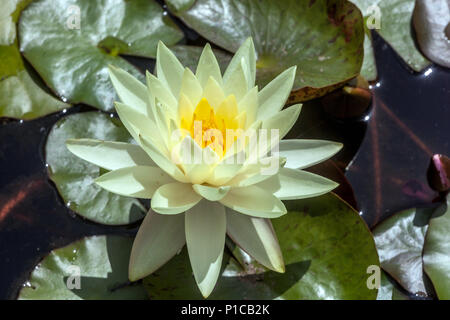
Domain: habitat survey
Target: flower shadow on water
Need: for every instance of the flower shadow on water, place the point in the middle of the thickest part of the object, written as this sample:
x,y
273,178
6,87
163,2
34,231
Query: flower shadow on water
x,y
116,284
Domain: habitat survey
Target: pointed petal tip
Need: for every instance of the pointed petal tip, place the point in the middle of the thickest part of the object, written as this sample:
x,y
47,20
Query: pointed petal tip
x,y
132,276
281,269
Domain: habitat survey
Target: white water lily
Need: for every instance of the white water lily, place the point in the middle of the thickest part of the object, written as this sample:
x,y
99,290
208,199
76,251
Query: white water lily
x,y
231,189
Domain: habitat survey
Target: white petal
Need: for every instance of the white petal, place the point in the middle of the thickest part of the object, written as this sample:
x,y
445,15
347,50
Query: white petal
x,y
208,67
292,184
283,120
254,173
236,84
274,95
158,89
249,104
213,93
191,87
254,201
162,160
211,193
137,123
168,69
246,53
256,237
159,238
305,153
129,89
192,158
138,181
205,240
227,169
174,198
109,155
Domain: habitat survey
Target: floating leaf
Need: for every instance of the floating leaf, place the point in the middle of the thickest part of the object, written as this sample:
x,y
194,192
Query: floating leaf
x,y
73,62
327,249
323,38
431,17
399,240
74,178
388,291
392,20
20,96
436,253
100,261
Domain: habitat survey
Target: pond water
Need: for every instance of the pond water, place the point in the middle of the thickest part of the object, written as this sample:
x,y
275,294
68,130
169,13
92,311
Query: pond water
x,y
408,122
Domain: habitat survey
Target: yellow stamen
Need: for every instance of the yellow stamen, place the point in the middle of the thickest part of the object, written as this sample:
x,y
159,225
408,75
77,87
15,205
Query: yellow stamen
x,y
209,127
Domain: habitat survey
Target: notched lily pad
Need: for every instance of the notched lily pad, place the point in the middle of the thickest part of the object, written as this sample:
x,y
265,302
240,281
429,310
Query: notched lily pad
x,y
20,96
323,38
399,240
431,18
74,177
89,269
392,20
73,61
436,253
327,249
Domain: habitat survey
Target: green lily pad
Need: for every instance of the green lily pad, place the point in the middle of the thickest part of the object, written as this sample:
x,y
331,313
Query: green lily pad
x,y
327,249
101,262
20,96
431,18
388,291
74,177
323,38
73,62
399,240
395,27
436,252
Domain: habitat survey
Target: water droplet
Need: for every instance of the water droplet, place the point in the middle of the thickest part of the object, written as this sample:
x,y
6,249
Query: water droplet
x,y
64,99
20,121
111,115
64,110
27,284
165,13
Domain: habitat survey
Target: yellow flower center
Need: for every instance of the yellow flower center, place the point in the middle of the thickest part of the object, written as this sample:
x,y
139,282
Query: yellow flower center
x,y
218,128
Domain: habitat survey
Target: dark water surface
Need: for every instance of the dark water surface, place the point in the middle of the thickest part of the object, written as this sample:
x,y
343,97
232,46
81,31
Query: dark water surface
x,y
409,121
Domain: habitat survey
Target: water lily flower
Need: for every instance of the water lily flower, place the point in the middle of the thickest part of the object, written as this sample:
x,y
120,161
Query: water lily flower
x,y
196,159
